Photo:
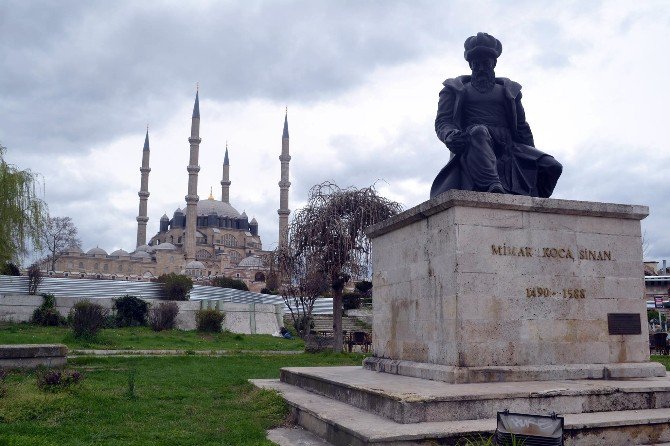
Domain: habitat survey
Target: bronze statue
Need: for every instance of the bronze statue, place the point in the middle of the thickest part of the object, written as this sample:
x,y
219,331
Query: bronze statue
x,y
481,121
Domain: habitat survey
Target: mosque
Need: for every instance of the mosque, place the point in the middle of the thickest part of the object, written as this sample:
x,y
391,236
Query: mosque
x,y
208,238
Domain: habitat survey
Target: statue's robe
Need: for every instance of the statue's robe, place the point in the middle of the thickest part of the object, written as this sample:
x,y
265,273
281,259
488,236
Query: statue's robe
x,y
519,163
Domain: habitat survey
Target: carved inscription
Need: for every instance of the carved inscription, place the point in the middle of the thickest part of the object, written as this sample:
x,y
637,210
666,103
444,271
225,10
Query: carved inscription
x,y
565,293
551,252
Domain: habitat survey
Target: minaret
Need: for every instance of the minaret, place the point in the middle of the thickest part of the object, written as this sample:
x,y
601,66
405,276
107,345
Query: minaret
x,y
225,182
193,168
284,184
142,218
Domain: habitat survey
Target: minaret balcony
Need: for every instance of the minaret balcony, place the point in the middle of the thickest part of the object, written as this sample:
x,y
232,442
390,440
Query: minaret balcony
x,y
145,169
284,158
143,194
284,184
194,140
192,198
192,169
141,219
283,211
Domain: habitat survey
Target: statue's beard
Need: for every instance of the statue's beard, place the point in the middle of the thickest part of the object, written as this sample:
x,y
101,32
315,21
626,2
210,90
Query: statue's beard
x,y
483,80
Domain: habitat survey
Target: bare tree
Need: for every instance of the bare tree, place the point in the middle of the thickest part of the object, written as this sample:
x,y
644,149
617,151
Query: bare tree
x,y
301,286
59,234
328,239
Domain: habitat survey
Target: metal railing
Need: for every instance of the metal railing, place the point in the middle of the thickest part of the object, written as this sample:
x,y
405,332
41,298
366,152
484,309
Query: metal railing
x,y
94,289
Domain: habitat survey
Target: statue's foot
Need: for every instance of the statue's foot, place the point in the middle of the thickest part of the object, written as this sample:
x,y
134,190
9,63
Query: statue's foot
x,y
496,188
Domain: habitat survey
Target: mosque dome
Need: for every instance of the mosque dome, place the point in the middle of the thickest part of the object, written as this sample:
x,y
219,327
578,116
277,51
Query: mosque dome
x,y
140,255
145,248
221,209
119,253
73,249
96,250
251,262
165,247
194,264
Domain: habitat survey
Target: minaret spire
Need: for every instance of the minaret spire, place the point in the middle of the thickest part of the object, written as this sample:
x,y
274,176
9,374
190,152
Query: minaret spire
x,y
284,185
193,168
142,218
225,181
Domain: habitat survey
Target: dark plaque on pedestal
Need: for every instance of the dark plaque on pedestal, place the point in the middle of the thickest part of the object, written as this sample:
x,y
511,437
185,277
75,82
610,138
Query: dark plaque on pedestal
x,y
624,323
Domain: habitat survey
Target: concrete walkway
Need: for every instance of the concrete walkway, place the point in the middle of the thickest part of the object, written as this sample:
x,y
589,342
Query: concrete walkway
x,y
130,353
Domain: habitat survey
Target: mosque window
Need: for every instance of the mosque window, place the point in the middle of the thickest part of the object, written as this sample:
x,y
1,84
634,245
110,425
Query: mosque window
x,y
259,277
120,268
96,266
179,240
229,240
234,256
202,255
81,265
70,264
171,258
105,267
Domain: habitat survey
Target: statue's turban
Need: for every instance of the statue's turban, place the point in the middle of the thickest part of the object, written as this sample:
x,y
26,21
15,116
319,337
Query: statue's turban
x,y
482,45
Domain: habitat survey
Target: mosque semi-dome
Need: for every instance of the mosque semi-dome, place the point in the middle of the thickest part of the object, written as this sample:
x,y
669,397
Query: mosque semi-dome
x,y
194,264
251,262
221,209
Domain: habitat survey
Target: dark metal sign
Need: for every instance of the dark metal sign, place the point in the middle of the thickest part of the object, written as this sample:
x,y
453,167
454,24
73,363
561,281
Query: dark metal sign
x,y
624,323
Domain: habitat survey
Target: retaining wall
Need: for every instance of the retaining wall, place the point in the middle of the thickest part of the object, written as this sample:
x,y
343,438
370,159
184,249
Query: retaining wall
x,y
250,318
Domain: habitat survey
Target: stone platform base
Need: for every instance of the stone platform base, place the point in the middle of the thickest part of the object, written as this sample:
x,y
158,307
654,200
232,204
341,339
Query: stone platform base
x,y
462,375
32,355
354,406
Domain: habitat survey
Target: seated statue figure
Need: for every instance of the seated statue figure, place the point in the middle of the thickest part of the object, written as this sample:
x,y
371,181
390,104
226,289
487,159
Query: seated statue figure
x,y
481,121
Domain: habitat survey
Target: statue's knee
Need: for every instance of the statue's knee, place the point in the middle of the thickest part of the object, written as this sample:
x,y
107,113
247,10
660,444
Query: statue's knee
x,y
479,131
552,166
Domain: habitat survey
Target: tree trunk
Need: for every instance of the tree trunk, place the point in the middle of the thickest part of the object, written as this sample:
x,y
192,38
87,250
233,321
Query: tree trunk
x,y
338,339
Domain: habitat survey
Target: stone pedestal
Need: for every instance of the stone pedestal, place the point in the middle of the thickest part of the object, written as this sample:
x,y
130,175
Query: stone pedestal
x,y
477,287
485,303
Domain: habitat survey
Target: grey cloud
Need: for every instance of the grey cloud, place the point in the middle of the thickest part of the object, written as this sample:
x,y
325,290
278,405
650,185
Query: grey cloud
x,y
77,73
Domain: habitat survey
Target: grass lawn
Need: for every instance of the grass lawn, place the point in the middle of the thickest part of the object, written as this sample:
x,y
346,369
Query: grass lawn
x,y
184,400
141,338
665,360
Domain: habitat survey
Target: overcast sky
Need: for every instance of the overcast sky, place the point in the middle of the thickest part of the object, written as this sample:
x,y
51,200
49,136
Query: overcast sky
x,y
81,80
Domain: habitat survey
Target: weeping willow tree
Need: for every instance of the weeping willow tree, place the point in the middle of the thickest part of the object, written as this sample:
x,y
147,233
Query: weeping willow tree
x,y
22,213
327,239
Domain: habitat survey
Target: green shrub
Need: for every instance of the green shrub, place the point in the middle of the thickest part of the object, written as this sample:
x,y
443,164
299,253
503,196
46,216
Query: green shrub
x,y
46,314
209,320
87,319
351,301
228,282
163,317
9,269
175,286
131,311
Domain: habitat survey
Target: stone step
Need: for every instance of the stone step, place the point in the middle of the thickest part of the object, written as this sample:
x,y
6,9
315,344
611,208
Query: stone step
x,y
295,436
414,400
342,424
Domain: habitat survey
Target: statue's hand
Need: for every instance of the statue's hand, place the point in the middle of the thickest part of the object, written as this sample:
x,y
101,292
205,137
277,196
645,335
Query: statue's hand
x,y
457,141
